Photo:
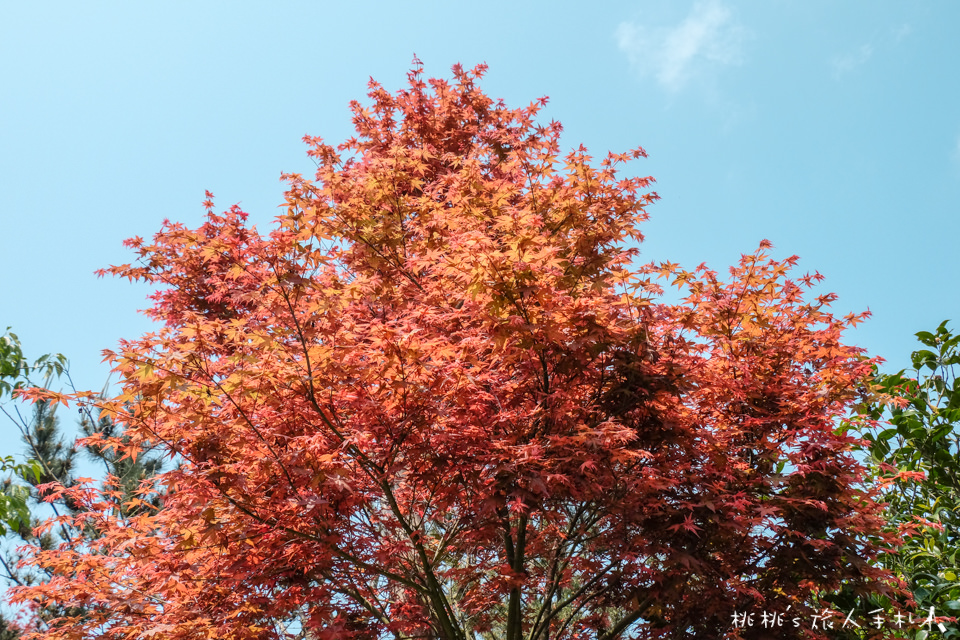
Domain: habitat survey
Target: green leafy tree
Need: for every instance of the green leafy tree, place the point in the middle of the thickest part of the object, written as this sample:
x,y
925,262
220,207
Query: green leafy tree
x,y
911,430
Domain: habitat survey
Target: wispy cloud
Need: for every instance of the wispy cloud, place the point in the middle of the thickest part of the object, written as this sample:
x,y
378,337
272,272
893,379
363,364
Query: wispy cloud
x,y
902,31
847,62
881,43
707,38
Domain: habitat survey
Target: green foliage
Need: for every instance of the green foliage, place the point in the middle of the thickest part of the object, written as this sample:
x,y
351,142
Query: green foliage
x,y
912,434
15,374
15,370
14,511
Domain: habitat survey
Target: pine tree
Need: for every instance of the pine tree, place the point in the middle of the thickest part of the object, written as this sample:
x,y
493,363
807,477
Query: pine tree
x,y
56,459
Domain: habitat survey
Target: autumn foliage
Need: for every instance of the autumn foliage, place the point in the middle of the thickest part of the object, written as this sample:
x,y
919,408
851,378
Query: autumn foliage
x,y
439,400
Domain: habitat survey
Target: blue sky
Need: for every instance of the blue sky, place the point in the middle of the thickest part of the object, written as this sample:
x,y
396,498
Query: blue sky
x,y
832,129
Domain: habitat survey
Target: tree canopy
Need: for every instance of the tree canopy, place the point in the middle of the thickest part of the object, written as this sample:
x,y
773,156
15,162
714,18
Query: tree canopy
x,y
440,400
911,433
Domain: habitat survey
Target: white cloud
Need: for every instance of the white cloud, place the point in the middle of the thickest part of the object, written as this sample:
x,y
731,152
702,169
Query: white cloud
x,y
847,62
707,37
844,64
902,32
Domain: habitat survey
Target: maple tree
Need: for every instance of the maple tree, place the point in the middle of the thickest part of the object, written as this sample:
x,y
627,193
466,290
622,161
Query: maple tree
x,y
438,400
53,461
